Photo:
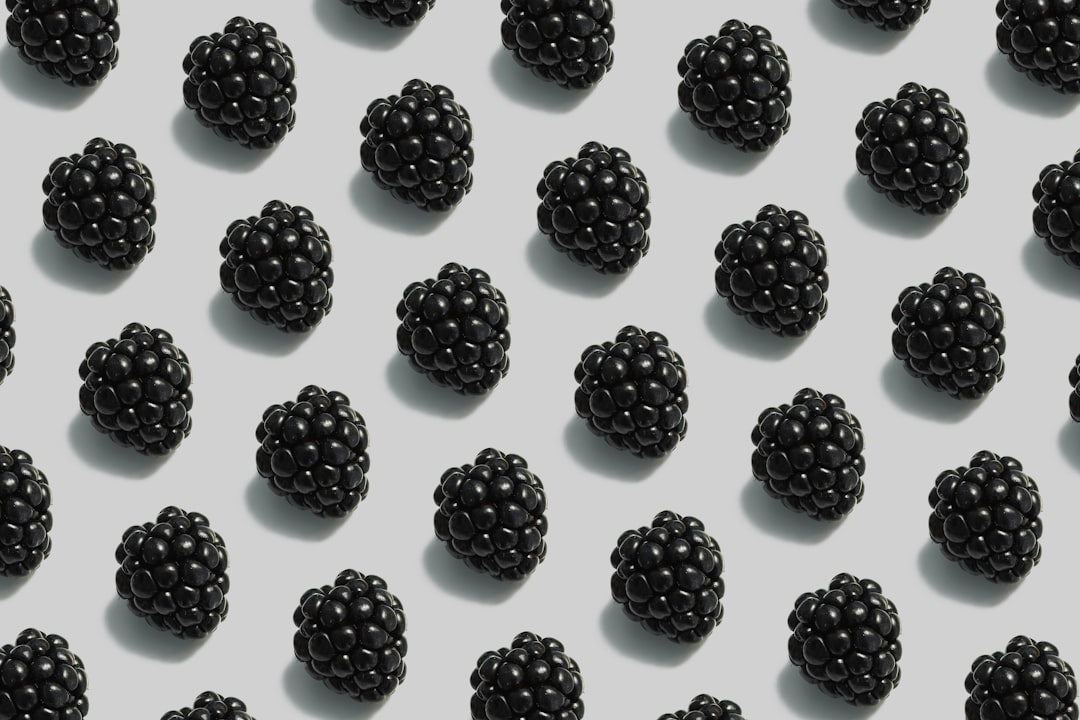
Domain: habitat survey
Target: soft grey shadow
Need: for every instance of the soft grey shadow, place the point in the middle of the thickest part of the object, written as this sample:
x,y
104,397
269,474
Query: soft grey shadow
x,y
388,212
416,391
98,450
735,333
135,634
312,698
915,398
1069,443
1049,270
244,331
806,700
840,28
456,578
1017,90
633,640
342,23
64,266
9,585
524,88
699,149
25,82
559,271
203,146
952,581
770,515
594,454
874,210
275,513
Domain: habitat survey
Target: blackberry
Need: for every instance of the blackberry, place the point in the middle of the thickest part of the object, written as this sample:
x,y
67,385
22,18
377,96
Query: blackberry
x,y
1028,680
1057,203
533,679
772,271
1074,395
210,705
886,14
913,149
454,329
567,42
351,636
7,334
25,518
668,577
632,392
846,640
735,86
950,334
986,517
1042,40
137,389
392,13
100,205
40,677
277,267
491,515
313,452
707,707
73,41
595,208
240,83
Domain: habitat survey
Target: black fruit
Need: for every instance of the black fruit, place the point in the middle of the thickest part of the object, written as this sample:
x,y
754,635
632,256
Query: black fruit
x,y
707,707
1028,680
1042,40
25,518
567,42
392,13
886,14
41,678
1056,216
1074,395
73,41
210,705
533,679
7,334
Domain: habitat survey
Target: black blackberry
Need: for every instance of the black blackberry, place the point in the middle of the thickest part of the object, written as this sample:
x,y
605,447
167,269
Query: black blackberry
x,y
73,41
986,517
913,149
1057,208
707,707
40,677
772,271
454,329
313,452
950,334
1074,394
392,13
886,14
7,334
491,515
567,42
351,636
240,83
533,679
846,640
277,267
668,577
632,392
100,204
1028,680
735,86
1042,40
595,208
25,518
137,389
210,705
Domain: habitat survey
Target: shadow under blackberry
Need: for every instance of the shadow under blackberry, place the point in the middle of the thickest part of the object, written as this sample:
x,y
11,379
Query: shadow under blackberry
x,y
1049,271
805,700
770,515
203,146
594,454
633,641
419,393
99,451
559,271
244,331
839,28
524,88
735,333
913,397
455,577
697,148
875,211
275,513
25,82
950,580
1016,90
134,634
64,266
341,22
312,699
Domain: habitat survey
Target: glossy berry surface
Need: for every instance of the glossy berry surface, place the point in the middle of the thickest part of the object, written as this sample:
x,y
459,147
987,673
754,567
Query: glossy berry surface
x,y
73,41
1056,217
25,514
886,14
1028,680
392,13
707,707
7,334
533,679
210,705
41,678
1042,40
1074,393
567,42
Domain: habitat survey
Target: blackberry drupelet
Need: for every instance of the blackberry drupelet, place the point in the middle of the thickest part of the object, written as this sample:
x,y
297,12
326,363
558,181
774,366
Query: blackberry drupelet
x,y
668,577
240,83
137,389
276,267
533,679
25,517
1074,394
418,146
351,636
392,13
913,149
772,271
632,392
846,640
707,707
886,14
1056,216
595,208
100,205
950,334
73,41
210,705
567,42
735,86
454,330
313,452
7,334
1042,40
986,517
40,677
491,515
1028,680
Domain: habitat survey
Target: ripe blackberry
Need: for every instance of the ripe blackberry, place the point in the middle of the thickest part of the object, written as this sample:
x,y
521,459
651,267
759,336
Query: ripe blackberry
x,y
240,83
351,636
1042,40
277,267
913,149
1028,680
137,389
735,86
707,707
986,517
886,14
567,42
667,577
846,640
7,334
632,392
772,271
595,208
533,679
100,205
313,452
1074,395
454,329
491,515
25,518
40,677
392,13
1057,203
950,334
210,705
73,41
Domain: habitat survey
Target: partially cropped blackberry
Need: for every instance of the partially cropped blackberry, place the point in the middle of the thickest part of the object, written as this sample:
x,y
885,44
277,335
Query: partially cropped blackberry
x,y
392,13
276,267
418,146
240,83
313,452
351,636
567,42
454,329
7,334
886,14
707,707
100,204
632,392
595,208
1028,681
1042,40
950,334
735,86
772,271
1074,395
73,41
491,515
913,149
1056,216
533,679
846,640
668,577
25,517
137,389
40,677
210,705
